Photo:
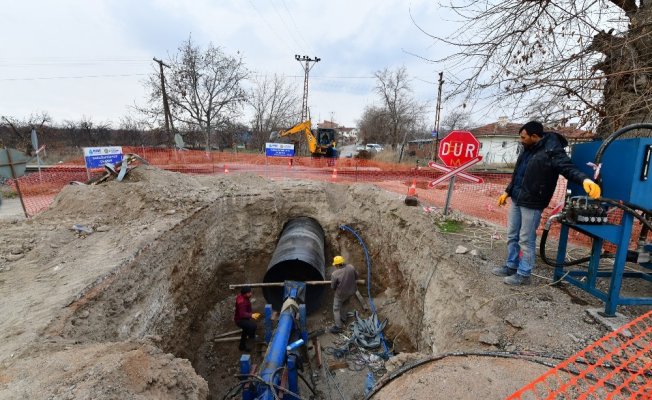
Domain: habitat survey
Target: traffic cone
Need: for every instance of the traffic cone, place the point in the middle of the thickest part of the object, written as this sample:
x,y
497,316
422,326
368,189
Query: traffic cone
x,y
411,198
334,176
226,169
412,190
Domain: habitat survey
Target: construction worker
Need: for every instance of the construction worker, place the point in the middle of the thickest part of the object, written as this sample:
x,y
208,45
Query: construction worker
x,y
533,183
343,281
244,318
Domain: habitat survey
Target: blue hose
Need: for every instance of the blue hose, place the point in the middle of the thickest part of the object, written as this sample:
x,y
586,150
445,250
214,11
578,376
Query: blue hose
x,y
371,300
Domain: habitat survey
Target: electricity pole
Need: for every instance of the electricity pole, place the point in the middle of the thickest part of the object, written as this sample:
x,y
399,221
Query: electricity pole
x,y
166,107
306,69
435,147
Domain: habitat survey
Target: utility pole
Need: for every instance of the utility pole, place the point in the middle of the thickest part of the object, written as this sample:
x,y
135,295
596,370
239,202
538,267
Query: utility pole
x,y
435,147
306,69
166,107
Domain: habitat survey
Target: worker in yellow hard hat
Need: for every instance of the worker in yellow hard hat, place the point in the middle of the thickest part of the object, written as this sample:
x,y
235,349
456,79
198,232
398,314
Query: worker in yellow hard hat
x,y
343,282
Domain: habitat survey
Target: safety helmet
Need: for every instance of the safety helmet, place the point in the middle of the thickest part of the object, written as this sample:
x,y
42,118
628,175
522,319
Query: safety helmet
x,y
338,260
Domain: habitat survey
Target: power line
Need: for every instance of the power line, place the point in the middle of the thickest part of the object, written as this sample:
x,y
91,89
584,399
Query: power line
x,y
71,77
49,62
285,25
271,28
296,27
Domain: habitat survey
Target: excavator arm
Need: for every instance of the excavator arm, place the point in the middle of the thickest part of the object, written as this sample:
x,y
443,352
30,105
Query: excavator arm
x,y
298,128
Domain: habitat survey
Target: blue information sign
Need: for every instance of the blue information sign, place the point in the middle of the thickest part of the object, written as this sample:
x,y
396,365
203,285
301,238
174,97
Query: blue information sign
x,y
279,150
96,157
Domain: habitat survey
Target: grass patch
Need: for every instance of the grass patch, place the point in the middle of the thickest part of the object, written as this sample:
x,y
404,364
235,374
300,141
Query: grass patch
x,y
7,192
450,226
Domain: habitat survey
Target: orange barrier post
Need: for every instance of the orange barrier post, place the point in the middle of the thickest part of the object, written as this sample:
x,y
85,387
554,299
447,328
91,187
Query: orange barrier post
x,y
226,169
334,176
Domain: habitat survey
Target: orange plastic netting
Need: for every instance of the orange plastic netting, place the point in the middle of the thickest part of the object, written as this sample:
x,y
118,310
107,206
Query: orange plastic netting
x,y
617,366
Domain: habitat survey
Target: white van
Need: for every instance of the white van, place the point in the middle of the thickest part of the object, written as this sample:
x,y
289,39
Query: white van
x,y
374,147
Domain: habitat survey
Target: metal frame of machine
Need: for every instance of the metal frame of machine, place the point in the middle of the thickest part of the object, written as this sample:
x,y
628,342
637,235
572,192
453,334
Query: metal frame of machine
x,y
623,173
283,345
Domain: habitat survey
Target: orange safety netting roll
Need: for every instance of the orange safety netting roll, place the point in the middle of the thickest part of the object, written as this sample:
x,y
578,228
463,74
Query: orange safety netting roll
x,y
618,366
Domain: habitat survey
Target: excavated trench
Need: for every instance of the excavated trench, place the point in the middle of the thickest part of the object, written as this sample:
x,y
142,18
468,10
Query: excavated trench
x,y
175,291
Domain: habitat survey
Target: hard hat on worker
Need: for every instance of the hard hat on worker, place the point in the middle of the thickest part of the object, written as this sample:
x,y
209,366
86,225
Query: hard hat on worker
x,y
338,260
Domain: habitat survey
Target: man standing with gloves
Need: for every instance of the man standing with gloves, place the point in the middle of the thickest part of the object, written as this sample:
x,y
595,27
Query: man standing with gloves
x,y
533,183
244,318
343,281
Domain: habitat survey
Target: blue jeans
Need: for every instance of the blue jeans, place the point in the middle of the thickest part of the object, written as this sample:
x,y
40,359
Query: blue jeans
x,y
522,227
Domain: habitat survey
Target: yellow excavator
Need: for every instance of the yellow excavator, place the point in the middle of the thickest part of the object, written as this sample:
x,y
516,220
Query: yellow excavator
x,y
321,142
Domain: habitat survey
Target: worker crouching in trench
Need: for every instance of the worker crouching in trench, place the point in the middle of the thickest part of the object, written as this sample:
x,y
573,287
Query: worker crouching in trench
x,y
244,318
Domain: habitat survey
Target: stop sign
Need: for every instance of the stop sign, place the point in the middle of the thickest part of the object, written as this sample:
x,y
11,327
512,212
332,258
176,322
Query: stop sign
x,y
458,147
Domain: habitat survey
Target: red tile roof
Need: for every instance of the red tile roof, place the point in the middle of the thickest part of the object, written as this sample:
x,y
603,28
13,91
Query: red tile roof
x,y
511,129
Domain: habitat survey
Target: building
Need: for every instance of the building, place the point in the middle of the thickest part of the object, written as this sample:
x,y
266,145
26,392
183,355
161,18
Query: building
x,y
499,142
345,135
421,148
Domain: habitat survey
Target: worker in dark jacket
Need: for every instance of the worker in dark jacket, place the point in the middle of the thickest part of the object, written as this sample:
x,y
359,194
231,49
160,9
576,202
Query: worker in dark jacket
x,y
533,183
343,282
244,318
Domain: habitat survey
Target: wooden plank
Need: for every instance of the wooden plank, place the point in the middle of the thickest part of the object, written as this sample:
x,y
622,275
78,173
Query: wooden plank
x,y
227,339
317,347
228,333
361,300
337,365
281,284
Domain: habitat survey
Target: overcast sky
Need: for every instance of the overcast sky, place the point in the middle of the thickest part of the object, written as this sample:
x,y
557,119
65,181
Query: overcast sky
x,y
88,58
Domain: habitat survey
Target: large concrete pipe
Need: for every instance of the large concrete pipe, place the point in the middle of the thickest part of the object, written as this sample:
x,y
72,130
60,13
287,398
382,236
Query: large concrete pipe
x,y
299,256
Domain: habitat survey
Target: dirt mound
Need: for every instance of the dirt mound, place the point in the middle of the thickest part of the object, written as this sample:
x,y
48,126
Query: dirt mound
x,y
159,250
106,370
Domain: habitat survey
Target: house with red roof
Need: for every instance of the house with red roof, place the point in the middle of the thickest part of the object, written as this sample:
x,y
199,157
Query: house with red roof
x,y
499,141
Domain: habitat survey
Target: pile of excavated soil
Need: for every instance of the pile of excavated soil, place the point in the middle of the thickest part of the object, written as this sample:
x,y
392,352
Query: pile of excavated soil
x,y
117,306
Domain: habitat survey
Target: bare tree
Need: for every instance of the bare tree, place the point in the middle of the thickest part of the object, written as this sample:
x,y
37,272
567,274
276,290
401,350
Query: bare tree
x,y
374,125
401,108
20,130
204,88
589,59
86,132
276,105
457,120
402,111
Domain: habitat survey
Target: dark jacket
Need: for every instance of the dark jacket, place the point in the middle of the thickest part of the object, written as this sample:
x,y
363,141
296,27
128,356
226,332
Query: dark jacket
x,y
343,281
548,160
242,308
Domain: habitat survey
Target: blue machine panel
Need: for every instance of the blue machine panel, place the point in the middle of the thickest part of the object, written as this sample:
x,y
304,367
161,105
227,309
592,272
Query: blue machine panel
x,y
622,165
625,176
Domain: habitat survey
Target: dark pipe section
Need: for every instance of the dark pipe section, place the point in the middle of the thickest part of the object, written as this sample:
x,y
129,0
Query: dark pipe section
x,y
299,256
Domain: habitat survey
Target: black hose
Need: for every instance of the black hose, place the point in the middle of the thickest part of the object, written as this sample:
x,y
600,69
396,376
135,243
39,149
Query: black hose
x,y
542,253
307,384
406,368
612,137
629,210
520,356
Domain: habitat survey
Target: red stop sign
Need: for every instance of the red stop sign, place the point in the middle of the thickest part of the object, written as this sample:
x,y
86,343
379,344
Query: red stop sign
x,y
458,147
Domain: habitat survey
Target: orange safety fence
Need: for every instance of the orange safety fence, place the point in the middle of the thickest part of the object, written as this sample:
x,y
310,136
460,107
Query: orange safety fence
x,y
475,199
617,366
